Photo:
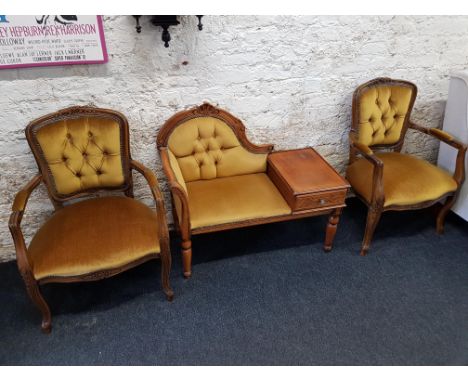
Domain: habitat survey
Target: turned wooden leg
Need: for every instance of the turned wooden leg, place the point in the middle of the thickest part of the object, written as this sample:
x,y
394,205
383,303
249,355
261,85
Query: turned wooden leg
x,y
166,272
440,222
187,257
332,225
373,217
35,294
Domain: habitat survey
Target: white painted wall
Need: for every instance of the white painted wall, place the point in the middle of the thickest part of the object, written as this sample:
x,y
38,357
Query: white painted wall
x,y
290,79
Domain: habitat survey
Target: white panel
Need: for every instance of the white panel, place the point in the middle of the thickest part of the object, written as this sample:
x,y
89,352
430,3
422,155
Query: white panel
x,y
456,123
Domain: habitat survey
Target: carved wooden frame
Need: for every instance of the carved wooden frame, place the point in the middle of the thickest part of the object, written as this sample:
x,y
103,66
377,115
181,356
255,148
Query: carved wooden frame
x,y
21,199
376,204
179,195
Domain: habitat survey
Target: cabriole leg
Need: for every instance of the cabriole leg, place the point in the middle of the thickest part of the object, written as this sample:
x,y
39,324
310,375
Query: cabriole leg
x,y
166,272
373,217
35,294
440,222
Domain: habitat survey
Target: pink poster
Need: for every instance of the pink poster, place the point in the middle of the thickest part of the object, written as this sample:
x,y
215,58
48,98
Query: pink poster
x,y
47,40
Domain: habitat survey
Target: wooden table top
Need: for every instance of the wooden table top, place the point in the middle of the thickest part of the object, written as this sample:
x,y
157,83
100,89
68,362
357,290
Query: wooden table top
x,y
306,171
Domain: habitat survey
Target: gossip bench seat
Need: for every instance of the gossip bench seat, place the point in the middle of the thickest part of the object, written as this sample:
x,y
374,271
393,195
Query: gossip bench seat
x,y
234,199
219,180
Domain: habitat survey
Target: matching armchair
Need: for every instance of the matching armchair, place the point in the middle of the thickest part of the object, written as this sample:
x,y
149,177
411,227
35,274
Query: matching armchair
x,y
382,177
217,177
81,151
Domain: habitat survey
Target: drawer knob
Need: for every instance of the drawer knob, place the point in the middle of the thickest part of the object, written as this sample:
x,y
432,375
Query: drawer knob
x,y
322,202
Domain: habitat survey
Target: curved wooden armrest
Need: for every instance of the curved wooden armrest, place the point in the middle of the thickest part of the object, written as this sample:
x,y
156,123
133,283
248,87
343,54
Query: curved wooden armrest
x,y
439,134
14,224
365,151
21,198
157,196
459,173
378,195
177,190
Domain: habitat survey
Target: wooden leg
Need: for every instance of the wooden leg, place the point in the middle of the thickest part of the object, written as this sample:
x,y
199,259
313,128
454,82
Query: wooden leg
x,y
332,225
373,217
187,257
166,272
36,296
440,222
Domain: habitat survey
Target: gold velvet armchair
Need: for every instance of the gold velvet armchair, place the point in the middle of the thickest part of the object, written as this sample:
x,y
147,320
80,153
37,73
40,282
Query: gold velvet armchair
x,y
382,177
81,151
217,177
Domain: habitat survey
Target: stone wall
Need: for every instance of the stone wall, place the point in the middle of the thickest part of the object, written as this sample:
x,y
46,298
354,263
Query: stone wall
x,y
290,79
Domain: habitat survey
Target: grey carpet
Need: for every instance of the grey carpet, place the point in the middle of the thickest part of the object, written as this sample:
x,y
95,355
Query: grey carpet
x,y
264,295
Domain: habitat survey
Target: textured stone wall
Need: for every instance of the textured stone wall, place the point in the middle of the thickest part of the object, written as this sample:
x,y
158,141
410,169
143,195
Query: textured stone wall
x,y
290,79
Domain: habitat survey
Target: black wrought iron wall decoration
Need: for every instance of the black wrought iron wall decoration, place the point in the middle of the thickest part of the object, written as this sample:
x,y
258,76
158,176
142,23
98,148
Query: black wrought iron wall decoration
x,y
165,22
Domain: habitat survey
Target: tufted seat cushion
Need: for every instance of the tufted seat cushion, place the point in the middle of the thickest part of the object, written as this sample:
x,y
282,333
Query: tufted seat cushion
x,y
92,235
233,199
407,180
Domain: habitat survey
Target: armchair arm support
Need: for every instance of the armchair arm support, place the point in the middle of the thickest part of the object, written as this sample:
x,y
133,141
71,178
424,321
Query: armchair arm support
x,y
439,134
378,197
179,194
157,196
14,224
459,173
21,198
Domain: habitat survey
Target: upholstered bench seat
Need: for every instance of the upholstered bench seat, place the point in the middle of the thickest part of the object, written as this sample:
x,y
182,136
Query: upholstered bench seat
x,y
94,235
407,180
233,199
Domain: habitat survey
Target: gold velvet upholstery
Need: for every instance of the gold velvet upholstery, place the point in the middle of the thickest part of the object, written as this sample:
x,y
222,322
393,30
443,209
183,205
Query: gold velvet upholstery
x,y
382,112
207,148
407,180
234,199
94,235
82,153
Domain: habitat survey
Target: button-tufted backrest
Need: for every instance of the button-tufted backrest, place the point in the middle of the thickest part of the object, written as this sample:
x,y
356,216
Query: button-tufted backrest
x,y
207,148
81,149
383,108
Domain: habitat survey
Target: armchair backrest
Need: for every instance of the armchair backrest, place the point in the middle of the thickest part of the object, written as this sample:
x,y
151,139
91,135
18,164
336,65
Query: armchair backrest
x,y
80,150
206,143
381,112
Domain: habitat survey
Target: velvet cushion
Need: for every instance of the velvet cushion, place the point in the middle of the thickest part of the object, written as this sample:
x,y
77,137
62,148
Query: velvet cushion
x,y
207,148
82,153
92,235
382,111
233,199
407,180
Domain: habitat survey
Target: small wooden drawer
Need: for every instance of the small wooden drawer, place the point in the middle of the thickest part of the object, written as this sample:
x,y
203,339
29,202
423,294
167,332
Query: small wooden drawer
x,y
318,200
306,180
